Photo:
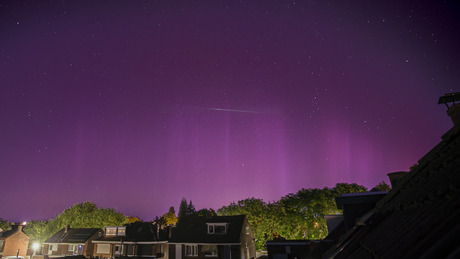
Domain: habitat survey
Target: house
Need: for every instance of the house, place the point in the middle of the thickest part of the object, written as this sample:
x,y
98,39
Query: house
x,y
212,237
13,242
138,239
418,218
71,242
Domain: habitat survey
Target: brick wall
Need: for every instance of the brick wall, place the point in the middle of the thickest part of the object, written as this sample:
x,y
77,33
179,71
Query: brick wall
x,y
16,241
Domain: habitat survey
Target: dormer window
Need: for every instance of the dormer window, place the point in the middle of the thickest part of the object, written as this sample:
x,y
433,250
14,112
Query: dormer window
x,y
115,231
217,228
121,231
111,231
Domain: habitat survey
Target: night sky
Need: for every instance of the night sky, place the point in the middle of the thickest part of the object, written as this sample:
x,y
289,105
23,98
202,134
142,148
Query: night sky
x,y
135,104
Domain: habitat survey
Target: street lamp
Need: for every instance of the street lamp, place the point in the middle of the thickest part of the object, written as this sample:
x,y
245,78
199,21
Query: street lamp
x,y
35,247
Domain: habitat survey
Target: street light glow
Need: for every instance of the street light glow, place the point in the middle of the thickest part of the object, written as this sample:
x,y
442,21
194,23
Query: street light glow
x,y
35,246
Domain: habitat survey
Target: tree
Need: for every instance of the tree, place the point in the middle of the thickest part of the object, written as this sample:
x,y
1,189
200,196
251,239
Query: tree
x,y
169,218
190,209
186,209
383,187
341,188
295,216
132,219
86,215
81,215
37,230
182,208
206,212
3,224
258,217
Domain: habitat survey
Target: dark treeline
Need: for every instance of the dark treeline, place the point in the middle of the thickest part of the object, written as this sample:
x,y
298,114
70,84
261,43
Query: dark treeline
x,y
297,215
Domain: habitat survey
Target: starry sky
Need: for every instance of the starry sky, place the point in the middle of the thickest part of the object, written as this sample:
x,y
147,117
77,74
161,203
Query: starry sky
x,y
135,104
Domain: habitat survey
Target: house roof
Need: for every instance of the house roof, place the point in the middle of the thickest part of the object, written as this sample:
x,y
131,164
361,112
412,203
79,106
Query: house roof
x,y
7,233
417,218
73,235
358,198
194,229
137,232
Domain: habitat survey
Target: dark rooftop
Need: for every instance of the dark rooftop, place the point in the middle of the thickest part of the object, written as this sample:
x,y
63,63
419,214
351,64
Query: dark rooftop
x,y
418,218
138,231
194,230
73,235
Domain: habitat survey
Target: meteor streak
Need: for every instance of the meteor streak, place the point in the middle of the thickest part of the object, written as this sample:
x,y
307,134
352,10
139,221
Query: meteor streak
x,y
225,110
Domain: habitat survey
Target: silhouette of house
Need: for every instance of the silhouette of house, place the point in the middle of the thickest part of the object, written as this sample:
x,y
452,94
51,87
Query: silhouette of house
x,y
13,242
212,237
418,218
71,242
139,239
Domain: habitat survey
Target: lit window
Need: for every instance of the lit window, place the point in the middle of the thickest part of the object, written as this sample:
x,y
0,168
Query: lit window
x,y
121,231
111,231
191,250
103,249
217,228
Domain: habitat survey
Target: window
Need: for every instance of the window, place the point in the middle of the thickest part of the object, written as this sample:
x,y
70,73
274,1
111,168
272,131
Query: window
x,y
217,228
191,250
121,231
209,250
210,229
71,248
131,250
111,231
115,231
52,248
118,249
103,249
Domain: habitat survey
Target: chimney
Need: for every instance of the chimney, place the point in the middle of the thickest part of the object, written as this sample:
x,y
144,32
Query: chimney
x,y
17,226
454,114
395,177
454,109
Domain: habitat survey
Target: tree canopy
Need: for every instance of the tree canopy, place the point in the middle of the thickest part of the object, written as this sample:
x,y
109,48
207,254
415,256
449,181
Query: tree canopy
x,y
296,216
382,186
169,218
81,215
3,224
